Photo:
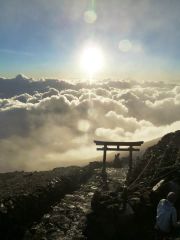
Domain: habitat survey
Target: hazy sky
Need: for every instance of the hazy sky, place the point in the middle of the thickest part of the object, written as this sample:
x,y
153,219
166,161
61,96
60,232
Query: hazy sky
x,y
139,38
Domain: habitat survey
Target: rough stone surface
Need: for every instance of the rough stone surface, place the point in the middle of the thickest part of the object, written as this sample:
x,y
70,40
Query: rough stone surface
x,y
25,197
67,219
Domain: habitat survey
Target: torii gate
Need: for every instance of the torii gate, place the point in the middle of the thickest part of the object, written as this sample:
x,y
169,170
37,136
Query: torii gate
x,y
117,146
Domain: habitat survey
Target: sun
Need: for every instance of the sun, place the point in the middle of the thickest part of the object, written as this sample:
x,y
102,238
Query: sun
x,y
92,60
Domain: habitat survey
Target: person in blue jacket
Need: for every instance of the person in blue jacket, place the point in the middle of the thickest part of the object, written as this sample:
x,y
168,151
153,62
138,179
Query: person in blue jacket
x,y
166,218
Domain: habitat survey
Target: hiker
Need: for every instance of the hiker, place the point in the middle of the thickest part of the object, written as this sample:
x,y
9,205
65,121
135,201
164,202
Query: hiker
x,y
117,161
166,218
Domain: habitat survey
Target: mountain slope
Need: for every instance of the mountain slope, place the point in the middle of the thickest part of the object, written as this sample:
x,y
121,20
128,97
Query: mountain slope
x,y
159,160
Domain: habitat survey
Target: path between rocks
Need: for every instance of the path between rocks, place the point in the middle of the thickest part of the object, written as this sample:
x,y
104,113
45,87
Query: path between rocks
x,y
67,219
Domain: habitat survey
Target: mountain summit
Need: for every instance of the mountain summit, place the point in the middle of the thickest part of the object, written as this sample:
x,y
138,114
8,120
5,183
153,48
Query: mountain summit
x,y
21,77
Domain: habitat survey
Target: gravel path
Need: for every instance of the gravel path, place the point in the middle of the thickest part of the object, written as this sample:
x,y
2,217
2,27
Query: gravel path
x,y
67,219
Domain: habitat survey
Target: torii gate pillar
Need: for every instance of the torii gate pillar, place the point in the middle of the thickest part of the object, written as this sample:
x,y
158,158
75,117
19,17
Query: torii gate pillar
x,y
130,160
104,161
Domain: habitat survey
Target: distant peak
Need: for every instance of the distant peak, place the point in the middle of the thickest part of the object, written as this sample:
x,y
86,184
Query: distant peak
x,y
21,77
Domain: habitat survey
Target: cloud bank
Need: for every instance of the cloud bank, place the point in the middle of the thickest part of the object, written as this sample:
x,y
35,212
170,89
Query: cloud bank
x,y
49,123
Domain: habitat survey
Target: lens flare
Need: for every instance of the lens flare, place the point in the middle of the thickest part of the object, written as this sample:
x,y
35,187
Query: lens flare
x,y
83,125
90,16
125,45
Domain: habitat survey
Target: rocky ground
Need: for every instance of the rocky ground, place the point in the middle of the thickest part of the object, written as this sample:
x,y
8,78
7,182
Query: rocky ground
x,y
25,197
76,203
67,220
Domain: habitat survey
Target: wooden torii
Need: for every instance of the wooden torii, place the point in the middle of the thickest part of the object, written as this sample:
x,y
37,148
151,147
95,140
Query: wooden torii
x,y
117,146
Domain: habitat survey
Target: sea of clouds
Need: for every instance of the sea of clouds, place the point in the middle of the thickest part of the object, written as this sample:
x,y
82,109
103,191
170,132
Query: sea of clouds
x,y
49,123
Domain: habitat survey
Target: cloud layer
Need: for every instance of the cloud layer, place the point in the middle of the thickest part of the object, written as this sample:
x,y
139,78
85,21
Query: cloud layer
x,y
49,123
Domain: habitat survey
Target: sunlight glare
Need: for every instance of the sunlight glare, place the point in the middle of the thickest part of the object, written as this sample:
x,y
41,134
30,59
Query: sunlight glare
x,y
92,60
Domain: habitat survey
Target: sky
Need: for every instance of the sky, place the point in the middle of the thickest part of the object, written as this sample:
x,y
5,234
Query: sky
x,y
42,38
75,71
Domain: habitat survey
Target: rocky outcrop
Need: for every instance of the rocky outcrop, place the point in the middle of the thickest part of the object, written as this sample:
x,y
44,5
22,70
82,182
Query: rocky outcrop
x,y
114,217
159,161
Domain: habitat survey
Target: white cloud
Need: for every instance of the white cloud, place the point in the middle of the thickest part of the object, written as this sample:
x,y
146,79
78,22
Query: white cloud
x,y
164,111
129,124
56,122
145,133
